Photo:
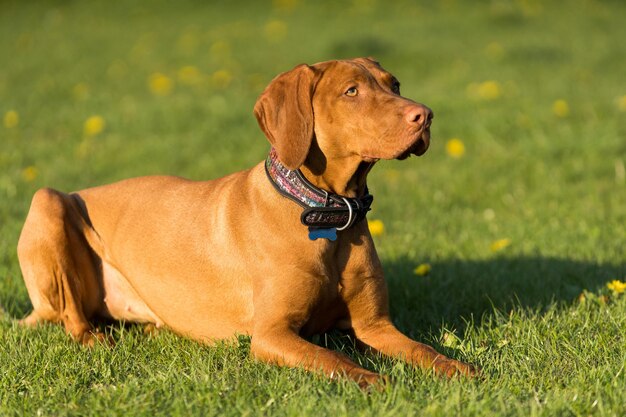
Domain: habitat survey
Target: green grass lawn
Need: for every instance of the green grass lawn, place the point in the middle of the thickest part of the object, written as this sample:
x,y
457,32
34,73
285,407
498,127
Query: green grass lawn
x,y
534,91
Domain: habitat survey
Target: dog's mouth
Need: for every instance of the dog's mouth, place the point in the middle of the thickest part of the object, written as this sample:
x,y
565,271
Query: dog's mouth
x,y
418,148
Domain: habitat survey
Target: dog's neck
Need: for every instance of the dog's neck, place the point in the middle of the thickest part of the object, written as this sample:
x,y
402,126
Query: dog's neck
x,y
325,212
343,176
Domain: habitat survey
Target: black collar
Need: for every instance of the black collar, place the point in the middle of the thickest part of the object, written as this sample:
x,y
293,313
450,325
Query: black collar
x,y
322,209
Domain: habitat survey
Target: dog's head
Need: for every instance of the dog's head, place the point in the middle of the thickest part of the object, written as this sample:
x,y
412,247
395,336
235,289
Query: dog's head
x,y
352,108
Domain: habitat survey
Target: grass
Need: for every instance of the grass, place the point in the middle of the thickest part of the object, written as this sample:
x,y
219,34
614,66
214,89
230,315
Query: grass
x,y
548,178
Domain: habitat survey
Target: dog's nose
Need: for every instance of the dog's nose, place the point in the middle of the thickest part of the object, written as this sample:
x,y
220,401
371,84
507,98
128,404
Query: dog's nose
x,y
419,115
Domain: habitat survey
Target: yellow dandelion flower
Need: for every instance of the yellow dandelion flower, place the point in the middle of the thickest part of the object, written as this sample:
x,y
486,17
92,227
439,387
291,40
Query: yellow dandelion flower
x,y
621,103
560,108
93,125
189,75
616,286
160,84
275,30
489,90
221,78
422,270
582,298
30,173
376,227
80,91
455,148
11,119
498,245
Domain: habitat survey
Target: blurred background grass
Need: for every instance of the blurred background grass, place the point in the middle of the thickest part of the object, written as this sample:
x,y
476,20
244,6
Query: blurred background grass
x,y
532,92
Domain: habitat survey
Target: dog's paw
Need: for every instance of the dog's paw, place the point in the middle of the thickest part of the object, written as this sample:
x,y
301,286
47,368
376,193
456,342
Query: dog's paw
x,y
452,368
94,337
369,380
151,329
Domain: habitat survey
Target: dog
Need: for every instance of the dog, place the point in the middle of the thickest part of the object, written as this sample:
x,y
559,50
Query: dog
x,y
280,252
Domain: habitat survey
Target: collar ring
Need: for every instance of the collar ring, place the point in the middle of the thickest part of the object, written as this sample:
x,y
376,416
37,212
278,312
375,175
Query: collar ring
x,y
350,219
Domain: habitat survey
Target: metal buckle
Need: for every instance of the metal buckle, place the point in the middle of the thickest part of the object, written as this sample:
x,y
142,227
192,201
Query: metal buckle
x,y
350,219
326,198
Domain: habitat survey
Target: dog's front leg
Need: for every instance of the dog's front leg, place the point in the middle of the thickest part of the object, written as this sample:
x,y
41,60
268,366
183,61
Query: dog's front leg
x,y
282,307
285,347
365,291
385,338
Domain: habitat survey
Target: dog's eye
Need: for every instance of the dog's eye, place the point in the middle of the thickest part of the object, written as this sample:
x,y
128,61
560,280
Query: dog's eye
x,y
352,92
395,87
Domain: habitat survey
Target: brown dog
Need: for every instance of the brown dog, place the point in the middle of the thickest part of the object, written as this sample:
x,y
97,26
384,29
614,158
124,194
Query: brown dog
x,y
214,259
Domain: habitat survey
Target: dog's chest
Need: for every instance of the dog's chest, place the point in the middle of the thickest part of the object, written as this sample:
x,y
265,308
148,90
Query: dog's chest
x,y
329,312
346,267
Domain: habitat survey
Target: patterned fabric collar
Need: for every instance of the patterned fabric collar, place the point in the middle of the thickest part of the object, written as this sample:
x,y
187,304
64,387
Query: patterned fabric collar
x,y
322,210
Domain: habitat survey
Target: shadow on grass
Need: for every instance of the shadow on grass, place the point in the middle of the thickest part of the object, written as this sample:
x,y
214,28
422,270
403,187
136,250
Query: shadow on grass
x,y
456,291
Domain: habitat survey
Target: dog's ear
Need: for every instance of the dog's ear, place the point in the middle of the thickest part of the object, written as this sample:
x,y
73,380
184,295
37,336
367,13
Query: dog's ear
x,y
371,60
285,113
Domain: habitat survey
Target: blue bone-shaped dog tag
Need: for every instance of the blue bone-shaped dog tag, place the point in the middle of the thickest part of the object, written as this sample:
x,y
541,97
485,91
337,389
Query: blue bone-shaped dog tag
x,y
316,233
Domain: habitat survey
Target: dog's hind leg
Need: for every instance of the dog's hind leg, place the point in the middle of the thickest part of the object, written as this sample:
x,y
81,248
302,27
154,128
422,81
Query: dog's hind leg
x,y
60,269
